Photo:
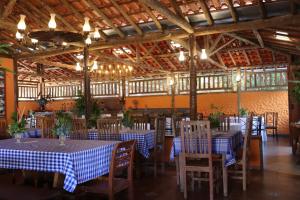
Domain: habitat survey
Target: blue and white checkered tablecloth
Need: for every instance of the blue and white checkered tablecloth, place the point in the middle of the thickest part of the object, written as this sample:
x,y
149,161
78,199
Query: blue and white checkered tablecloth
x,y
145,139
78,160
222,143
32,133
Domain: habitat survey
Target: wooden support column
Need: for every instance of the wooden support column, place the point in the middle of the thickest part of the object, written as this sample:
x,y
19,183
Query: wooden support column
x,y
238,89
86,84
173,85
193,78
40,72
16,88
123,82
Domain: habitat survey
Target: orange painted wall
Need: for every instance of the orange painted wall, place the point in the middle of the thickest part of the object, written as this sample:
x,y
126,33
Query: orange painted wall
x,y
9,84
258,102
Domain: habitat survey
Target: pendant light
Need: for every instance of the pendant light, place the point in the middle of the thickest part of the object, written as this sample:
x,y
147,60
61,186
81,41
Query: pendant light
x,y
86,26
21,24
88,41
181,56
96,34
203,55
78,68
52,23
95,66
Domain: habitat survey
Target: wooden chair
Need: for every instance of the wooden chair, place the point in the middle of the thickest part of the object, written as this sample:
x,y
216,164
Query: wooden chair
x,y
47,127
140,123
3,127
109,125
239,169
79,129
122,159
159,148
196,156
271,122
176,125
39,122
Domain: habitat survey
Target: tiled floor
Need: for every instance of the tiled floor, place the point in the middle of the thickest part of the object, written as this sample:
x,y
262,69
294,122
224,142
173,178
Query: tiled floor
x,y
280,180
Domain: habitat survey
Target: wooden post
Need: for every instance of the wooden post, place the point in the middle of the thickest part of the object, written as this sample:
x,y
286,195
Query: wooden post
x,y
193,78
173,95
16,88
238,90
86,84
123,91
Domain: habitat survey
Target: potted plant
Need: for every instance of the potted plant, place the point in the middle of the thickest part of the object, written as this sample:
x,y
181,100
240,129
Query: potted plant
x,y
17,126
79,107
62,126
214,117
95,114
243,112
127,120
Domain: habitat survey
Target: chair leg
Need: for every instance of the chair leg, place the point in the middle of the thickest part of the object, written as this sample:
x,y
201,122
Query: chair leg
x,y
211,185
244,178
184,184
177,170
155,168
130,192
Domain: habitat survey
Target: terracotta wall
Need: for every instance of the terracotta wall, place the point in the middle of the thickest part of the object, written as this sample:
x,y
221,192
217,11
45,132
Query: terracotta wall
x,y
9,84
258,102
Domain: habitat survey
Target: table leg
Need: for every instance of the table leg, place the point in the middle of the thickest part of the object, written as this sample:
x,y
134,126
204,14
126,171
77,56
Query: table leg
x,y
55,180
225,176
181,173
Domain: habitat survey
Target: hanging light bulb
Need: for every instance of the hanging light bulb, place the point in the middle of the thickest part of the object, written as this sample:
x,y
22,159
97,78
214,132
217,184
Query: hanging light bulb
x,y
52,23
21,24
106,72
19,36
88,41
130,68
109,67
95,65
64,43
181,57
101,67
97,34
118,66
203,55
86,26
78,68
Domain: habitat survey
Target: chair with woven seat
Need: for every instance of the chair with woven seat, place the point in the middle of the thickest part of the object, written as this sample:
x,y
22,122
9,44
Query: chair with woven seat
x,y
109,125
47,127
140,123
79,129
196,156
271,122
239,169
122,160
224,123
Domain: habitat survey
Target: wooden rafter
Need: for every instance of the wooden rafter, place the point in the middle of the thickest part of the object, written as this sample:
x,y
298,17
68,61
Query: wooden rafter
x,y
106,20
206,12
259,38
8,8
231,57
246,57
152,56
153,17
177,8
233,12
175,19
127,17
222,46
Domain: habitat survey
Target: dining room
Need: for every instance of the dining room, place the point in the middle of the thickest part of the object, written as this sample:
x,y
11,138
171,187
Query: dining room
x,y
148,99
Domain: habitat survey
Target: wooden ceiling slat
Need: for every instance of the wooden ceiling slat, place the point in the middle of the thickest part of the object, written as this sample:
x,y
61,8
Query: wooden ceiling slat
x,y
8,8
206,12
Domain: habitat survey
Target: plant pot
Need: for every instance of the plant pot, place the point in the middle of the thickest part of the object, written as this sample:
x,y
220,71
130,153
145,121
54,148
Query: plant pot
x,y
62,139
126,129
18,137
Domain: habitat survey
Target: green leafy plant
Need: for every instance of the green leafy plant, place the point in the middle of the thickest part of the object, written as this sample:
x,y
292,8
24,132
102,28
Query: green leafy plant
x,y
127,120
63,124
243,112
79,108
214,117
95,114
17,126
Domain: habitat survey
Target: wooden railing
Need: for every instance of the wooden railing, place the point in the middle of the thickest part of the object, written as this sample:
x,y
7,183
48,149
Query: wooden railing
x,y
251,80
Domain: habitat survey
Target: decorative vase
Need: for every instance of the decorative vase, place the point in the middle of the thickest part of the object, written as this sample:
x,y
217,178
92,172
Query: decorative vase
x,y
62,139
18,137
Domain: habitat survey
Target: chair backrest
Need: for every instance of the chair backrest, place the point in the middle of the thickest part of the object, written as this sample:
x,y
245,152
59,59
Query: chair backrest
x,y
39,121
196,140
109,125
176,120
247,138
200,116
79,129
271,119
122,159
160,130
141,123
3,127
224,123
47,127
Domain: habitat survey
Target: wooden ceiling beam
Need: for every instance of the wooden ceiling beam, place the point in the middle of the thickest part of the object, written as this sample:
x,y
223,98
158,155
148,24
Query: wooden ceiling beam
x,y
259,38
222,47
151,37
175,19
153,17
127,17
233,12
177,9
8,8
206,12
106,20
